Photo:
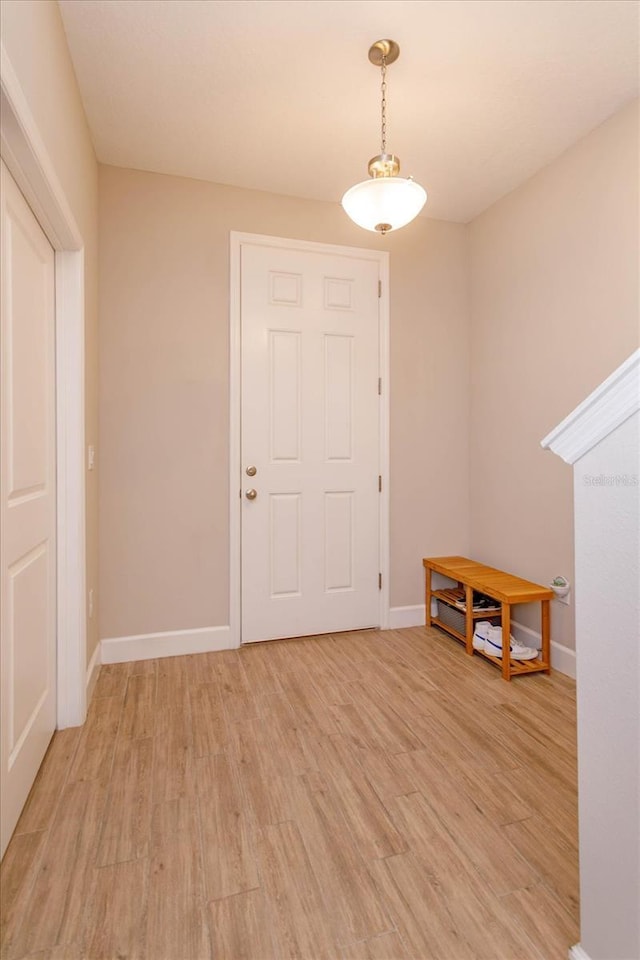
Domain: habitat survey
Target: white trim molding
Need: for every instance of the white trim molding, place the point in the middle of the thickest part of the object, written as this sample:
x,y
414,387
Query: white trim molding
x,y
26,157
610,404
92,672
562,658
28,160
577,952
174,643
72,634
400,617
236,241
235,467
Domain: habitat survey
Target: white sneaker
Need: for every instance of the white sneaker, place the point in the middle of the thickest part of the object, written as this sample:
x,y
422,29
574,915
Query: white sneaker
x,y
493,646
480,634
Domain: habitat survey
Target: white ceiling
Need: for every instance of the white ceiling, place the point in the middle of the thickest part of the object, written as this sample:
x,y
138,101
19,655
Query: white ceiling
x,y
279,95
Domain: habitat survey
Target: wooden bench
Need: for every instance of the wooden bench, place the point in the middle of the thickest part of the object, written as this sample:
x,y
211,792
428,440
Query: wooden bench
x,y
503,587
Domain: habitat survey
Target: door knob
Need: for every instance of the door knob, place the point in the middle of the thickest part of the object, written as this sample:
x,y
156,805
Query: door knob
x,y
251,471
251,494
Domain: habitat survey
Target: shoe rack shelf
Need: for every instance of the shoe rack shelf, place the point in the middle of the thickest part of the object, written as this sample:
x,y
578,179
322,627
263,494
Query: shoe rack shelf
x,y
506,589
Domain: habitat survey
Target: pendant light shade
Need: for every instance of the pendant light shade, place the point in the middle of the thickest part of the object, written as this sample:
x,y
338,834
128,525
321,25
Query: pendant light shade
x,y
386,201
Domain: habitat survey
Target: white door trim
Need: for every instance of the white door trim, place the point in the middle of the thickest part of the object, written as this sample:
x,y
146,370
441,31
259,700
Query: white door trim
x,y
382,258
25,155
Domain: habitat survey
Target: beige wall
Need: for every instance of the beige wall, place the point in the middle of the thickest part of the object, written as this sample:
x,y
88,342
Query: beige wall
x,y
553,301
554,294
34,38
164,316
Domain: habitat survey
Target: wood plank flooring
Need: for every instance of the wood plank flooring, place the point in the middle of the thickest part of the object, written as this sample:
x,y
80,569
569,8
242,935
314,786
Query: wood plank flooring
x,y
363,796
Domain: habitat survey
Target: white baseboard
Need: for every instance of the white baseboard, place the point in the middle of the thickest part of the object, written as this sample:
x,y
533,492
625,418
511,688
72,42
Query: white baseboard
x,y
400,617
577,953
562,658
92,672
525,635
175,643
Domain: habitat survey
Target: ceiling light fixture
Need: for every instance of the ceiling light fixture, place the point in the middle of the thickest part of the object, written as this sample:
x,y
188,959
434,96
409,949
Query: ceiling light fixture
x,y
386,201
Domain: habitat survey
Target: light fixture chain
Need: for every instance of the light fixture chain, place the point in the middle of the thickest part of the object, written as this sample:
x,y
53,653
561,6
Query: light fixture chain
x,y
384,104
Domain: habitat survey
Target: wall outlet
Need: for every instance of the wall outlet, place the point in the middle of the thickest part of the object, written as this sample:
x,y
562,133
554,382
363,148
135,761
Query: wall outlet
x,y
90,603
91,457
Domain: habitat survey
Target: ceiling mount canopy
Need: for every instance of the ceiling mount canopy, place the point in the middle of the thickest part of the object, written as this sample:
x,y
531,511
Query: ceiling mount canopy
x,y
386,201
384,50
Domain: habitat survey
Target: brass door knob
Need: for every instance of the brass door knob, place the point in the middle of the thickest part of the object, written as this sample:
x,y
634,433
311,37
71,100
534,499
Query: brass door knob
x,y
251,494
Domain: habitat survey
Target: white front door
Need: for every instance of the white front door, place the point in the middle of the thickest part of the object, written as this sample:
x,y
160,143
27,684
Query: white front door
x,y
310,430
28,502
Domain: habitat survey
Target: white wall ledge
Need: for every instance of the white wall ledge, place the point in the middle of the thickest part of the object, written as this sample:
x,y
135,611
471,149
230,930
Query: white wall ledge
x,y
610,404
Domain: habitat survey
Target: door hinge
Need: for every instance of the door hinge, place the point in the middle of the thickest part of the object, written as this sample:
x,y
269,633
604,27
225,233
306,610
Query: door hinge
x,y
379,288
379,581
379,386
379,483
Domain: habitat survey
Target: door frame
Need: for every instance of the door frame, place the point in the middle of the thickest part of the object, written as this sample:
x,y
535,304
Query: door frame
x,y
235,410
26,157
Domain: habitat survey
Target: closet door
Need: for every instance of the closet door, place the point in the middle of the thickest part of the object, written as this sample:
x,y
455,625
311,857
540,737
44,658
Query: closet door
x,y
28,502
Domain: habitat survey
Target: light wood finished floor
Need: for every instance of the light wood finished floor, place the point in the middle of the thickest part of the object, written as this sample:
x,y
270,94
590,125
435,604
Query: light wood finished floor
x,y
364,796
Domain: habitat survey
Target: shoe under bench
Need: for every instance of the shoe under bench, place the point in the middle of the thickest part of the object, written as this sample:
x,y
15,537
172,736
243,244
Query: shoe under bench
x,y
503,587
